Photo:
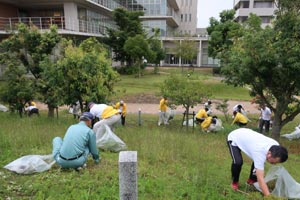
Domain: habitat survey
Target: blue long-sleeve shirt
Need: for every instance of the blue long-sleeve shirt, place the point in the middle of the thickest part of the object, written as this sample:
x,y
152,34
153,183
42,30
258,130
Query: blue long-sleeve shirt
x,y
77,138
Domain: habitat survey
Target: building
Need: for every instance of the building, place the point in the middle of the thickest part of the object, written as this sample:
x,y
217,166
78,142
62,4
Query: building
x,y
262,8
85,18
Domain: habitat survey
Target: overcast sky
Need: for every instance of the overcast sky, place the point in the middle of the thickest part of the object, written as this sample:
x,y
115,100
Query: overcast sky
x,y
211,8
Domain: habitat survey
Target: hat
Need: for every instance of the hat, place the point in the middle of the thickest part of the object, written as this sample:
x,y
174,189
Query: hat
x,y
86,116
121,102
90,104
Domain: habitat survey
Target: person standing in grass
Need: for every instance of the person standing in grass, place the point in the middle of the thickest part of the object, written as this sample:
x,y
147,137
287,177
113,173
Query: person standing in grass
x,y
121,106
79,141
260,149
265,119
163,105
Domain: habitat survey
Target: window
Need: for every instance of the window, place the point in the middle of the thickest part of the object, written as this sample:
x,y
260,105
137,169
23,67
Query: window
x,y
265,19
190,17
185,17
263,4
181,17
245,4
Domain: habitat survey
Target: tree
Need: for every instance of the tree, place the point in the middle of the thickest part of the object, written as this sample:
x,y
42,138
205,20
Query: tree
x,y
18,88
156,47
128,25
184,91
186,49
268,60
30,48
86,73
221,34
139,49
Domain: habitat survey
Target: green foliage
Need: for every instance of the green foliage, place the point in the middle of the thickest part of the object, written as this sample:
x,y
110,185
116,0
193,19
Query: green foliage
x,y
129,25
85,73
221,35
268,61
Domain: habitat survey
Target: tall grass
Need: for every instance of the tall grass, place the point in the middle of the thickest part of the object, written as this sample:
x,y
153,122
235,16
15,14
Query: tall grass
x,y
172,163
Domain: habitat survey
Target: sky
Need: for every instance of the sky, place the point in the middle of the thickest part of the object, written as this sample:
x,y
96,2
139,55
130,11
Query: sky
x,y
211,8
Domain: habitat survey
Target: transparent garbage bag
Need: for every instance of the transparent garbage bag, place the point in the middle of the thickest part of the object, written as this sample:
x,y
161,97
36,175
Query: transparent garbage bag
x,y
293,135
3,108
107,140
31,164
170,114
285,185
216,127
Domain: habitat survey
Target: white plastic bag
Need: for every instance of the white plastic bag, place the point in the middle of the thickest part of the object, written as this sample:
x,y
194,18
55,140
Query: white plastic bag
x,y
215,127
3,108
190,123
31,164
294,135
285,185
170,114
107,140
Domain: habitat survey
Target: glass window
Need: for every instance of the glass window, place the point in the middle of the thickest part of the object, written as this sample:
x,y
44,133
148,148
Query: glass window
x,y
181,18
265,19
190,17
245,4
263,4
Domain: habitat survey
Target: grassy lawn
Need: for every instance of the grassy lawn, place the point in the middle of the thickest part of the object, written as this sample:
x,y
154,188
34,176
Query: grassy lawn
x,y
150,84
172,163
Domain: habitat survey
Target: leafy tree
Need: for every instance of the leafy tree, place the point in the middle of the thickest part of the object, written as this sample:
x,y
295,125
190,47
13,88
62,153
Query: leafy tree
x,y
221,34
128,25
268,60
29,48
186,49
85,73
18,88
139,48
184,91
157,49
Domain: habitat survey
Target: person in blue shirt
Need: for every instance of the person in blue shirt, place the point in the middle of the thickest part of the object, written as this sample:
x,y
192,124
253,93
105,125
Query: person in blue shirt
x,y
79,141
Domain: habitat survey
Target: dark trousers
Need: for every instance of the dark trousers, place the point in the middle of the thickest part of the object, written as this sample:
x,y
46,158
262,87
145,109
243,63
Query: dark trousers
x,y
33,111
237,163
264,123
123,120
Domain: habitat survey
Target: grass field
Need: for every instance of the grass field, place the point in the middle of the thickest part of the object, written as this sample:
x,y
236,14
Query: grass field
x,y
173,163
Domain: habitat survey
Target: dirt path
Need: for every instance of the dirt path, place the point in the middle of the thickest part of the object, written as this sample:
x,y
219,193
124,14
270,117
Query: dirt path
x,y
151,108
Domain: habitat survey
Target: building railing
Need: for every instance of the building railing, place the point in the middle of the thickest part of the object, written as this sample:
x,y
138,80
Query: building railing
x,y
44,23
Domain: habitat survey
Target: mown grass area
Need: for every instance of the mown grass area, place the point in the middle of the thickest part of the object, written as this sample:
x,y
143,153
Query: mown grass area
x,y
172,163
150,83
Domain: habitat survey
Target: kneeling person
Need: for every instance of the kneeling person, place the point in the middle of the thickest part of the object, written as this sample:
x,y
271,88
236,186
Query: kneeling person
x,y
79,141
239,119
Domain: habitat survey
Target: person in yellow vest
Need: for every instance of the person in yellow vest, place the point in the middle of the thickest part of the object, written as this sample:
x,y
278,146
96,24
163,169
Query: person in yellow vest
x,y
110,116
121,106
201,115
207,122
239,119
163,105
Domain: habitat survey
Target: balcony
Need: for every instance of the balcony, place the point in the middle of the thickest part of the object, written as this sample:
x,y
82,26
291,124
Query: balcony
x,y
64,26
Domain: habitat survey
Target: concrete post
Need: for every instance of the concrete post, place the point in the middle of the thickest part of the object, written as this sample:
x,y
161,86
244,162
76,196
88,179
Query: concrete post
x,y
128,175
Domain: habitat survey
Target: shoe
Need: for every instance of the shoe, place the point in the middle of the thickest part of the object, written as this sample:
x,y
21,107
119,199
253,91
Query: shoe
x,y
235,185
250,181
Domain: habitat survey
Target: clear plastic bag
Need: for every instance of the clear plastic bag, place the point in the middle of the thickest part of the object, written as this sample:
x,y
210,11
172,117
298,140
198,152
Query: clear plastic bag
x,y
285,185
31,164
107,140
216,127
294,135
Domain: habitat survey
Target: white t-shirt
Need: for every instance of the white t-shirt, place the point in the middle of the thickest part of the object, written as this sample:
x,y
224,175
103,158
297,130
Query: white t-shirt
x,y
266,113
235,108
97,110
253,144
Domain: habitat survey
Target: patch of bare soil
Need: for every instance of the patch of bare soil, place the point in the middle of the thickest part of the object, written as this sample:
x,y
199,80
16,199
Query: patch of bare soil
x,y
142,98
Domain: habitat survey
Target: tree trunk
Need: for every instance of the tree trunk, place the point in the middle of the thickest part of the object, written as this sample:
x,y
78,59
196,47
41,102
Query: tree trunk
x,y
51,111
187,117
276,126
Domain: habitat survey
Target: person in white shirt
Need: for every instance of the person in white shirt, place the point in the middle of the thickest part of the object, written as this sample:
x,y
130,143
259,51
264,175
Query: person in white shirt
x,y
260,149
265,119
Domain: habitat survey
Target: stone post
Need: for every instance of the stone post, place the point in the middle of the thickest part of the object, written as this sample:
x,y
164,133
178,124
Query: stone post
x,y
128,175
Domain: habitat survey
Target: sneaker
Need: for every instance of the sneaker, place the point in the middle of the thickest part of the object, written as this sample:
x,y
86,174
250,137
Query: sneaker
x,y
250,181
235,185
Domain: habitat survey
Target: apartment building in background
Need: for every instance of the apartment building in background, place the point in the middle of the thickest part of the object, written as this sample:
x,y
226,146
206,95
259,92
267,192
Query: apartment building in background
x,y
86,18
262,8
